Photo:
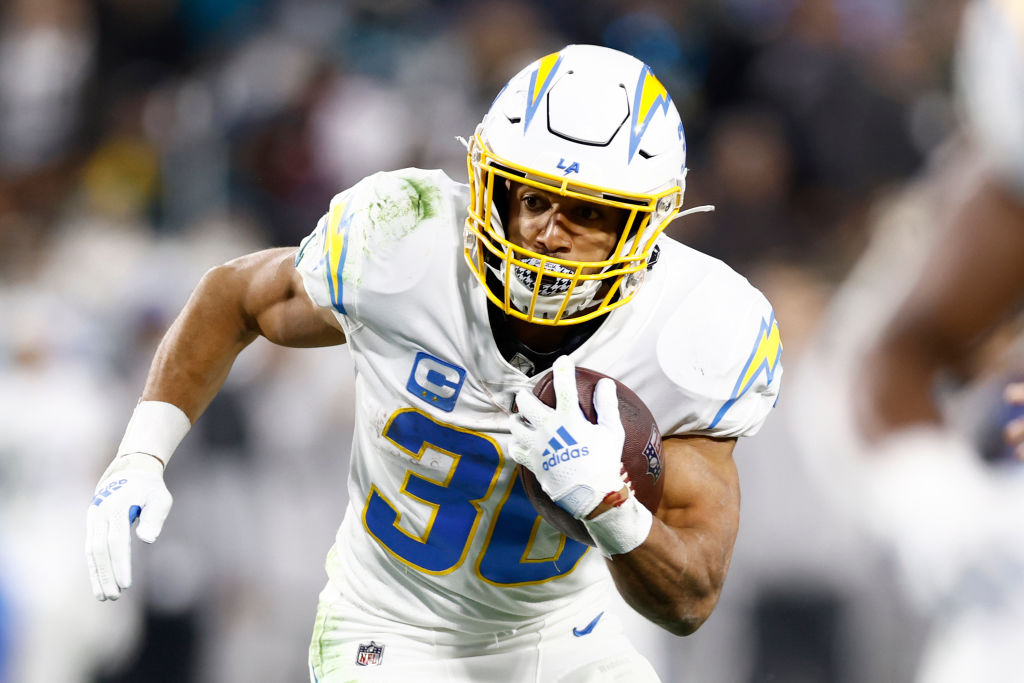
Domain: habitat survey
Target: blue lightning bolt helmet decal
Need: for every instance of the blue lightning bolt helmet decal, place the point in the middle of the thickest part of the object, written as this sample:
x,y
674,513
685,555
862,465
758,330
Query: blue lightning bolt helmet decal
x,y
765,357
650,96
540,81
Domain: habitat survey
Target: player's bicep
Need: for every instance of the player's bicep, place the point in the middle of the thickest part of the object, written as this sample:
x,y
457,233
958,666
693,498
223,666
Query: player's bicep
x,y
277,305
702,490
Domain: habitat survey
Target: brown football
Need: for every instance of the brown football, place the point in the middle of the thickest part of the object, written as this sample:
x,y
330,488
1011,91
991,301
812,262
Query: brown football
x,y
641,451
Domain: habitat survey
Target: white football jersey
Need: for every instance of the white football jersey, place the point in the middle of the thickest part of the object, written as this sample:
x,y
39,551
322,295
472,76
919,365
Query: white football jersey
x,y
438,532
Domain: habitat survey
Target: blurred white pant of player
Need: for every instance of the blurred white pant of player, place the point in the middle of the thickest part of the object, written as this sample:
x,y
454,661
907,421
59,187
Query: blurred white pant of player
x,y
546,652
977,630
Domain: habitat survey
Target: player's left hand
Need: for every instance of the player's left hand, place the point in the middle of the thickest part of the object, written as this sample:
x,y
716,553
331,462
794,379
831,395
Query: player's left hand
x,y
576,462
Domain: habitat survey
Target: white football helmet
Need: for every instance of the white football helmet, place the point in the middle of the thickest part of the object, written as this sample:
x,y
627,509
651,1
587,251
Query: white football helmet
x,y
586,122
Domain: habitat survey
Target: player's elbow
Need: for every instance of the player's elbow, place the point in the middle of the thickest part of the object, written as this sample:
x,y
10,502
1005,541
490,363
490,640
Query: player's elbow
x,y
686,610
224,281
688,616
239,291
685,627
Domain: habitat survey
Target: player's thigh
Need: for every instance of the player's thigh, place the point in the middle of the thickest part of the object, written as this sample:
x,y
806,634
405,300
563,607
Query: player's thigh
x,y
349,644
622,667
402,660
601,655
391,657
584,645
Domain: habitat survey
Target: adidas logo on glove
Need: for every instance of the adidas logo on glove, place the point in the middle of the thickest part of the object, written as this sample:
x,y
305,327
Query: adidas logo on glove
x,y
564,456
559,452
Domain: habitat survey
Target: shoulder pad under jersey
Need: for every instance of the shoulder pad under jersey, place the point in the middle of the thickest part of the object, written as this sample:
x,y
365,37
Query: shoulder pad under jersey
x,y
372,238
723,351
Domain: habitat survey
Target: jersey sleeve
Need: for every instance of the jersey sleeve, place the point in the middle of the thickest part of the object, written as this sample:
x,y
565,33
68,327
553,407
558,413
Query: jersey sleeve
x,y
312,264
723,353
370,245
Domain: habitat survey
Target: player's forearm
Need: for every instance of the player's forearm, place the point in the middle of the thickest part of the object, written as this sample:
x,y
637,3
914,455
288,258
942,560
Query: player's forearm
x,y
674,578
198,350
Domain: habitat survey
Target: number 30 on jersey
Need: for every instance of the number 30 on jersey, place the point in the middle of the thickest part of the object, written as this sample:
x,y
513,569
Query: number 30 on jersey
x,y
453,503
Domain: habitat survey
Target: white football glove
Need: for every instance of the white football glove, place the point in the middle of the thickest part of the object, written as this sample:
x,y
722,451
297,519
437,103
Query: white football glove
x,y
576,462
131,488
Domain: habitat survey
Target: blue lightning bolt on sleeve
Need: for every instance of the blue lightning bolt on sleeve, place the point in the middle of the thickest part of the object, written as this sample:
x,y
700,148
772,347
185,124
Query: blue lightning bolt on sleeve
x,y
760,368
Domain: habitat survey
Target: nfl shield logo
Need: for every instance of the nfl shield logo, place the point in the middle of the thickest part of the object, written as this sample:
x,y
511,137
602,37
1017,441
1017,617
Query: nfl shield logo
x,y
370,654
653,453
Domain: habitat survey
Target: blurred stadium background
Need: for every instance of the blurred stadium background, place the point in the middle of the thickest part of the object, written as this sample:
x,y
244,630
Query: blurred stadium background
x,y
144,141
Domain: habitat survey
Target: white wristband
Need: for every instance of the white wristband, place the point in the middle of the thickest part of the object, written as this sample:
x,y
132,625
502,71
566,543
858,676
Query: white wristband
x,y
622,528
156,429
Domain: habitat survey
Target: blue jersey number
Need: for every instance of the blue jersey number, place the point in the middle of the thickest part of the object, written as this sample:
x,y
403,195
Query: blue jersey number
x,y
509,558
455,497
450,507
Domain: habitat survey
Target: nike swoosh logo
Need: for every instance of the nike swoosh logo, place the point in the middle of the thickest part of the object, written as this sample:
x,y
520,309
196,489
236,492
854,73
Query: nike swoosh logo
x,y
578,632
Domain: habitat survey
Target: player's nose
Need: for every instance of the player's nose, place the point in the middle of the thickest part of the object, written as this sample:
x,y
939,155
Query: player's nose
x,y
552,237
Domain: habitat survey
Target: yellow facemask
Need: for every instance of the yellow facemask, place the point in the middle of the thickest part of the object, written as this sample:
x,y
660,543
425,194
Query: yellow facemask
x,y
547,290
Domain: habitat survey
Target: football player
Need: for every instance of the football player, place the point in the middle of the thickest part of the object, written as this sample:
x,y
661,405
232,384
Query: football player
x,y
453,299
912,313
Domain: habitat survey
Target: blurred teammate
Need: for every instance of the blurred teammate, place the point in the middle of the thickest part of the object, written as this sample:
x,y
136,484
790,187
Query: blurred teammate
x,y
441,568
912,315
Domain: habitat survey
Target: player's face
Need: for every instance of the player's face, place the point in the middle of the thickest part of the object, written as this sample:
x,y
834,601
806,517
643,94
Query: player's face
x,y
563,227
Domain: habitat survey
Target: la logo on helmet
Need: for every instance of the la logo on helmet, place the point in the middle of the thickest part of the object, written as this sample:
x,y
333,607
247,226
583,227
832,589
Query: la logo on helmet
x,y
571,168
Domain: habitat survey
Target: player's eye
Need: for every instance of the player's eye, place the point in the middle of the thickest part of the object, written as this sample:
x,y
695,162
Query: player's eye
x,y
532,202
589,213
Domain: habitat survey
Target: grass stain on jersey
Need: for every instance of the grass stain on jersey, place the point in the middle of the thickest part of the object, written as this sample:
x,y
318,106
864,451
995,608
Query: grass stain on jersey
x,y
428,197
398,213
398,207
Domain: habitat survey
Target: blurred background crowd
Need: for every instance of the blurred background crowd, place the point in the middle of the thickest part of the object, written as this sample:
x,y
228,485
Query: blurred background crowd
x,y
144,141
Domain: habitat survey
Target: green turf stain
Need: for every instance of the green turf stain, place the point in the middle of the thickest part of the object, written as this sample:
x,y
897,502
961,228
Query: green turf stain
x,y
428,197
396,208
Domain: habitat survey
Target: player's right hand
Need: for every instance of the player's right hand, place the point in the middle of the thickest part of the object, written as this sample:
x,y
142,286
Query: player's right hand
x,y
131,488
590,466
